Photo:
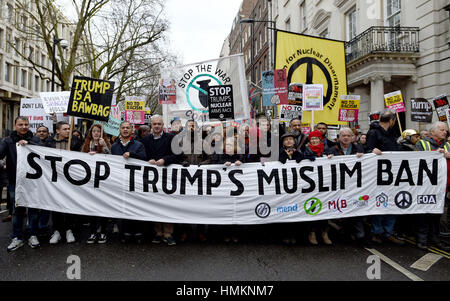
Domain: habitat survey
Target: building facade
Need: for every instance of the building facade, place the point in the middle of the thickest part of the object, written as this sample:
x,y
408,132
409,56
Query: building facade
x,y
18,79
390,45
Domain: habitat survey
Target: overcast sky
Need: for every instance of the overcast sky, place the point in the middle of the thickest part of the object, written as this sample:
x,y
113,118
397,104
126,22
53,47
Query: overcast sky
x,y
198,28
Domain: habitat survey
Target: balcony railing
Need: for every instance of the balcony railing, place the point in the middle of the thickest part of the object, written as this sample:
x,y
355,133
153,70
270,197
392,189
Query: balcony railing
x,y
385,40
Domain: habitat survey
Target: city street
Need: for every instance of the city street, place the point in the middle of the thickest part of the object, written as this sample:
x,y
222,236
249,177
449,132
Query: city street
x,y
253,259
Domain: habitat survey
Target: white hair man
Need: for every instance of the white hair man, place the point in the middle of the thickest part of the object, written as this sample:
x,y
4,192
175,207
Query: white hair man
x,y
428,224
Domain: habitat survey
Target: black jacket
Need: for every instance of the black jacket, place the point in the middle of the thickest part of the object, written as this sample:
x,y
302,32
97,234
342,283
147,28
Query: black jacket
x,y
406,146
223,158
75,143
337,149
283,156
8,149
378,137
160,148
135,148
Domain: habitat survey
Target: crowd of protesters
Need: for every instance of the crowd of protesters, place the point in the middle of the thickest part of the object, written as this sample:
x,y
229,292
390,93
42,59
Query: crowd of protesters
x,y
238,145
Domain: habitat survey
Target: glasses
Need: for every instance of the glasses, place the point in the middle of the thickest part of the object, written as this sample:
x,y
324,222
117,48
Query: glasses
x,y
44,131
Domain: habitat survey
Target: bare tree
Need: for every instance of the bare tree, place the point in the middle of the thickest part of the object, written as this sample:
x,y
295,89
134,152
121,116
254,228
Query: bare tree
x,y
119,40
44,24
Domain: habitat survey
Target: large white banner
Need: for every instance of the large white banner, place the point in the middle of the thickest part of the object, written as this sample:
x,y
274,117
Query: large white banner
x,y
111,186
192,84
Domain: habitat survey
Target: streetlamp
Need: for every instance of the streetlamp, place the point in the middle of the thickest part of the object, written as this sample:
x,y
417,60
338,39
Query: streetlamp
x,y
64,44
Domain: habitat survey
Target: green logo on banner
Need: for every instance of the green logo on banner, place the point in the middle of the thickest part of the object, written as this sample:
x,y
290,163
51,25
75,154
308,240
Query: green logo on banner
x,y
313,206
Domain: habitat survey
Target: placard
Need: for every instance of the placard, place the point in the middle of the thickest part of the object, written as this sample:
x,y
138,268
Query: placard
x,y
90,98
167,91
312,97
441,105
33,110
394,101
274,87
220,102
55,102
421,110
288,112
295,94
349,108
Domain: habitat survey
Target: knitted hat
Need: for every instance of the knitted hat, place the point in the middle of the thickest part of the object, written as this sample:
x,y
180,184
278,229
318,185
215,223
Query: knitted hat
x,y
317,134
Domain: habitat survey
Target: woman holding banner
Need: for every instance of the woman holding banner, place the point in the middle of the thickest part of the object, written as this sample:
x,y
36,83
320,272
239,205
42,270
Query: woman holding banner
x,y
95,144
317,149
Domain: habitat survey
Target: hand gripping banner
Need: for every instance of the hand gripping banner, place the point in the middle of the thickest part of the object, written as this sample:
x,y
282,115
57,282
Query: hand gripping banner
x,y
347,186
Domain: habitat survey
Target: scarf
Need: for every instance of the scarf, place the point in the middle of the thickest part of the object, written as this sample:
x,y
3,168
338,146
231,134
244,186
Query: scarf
x,y
317,149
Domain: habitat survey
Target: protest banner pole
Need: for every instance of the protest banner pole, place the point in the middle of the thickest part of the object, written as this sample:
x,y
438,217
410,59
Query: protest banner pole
x,y
312,121
399,123
72,121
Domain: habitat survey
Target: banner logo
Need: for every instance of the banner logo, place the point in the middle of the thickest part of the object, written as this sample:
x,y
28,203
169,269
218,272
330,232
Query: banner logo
x,y
426,199
262,210
313,206
403,200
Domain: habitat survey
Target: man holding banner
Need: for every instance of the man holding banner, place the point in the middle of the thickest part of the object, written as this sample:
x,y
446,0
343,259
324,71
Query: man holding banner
x,y
428,224
159,152
63,221
22,135
380,139
129,148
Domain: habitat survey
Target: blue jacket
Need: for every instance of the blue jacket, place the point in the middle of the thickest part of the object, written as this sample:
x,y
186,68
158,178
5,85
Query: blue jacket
x,y
135,148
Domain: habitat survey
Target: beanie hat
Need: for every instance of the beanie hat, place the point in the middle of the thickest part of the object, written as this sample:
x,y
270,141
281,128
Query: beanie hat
x,y
317,134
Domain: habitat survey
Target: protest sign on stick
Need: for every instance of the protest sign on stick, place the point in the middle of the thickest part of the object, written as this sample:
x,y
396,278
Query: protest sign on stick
x,y
394,101
90,98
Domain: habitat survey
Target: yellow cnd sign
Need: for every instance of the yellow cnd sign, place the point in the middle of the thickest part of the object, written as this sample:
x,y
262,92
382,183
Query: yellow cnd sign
x,y
313,60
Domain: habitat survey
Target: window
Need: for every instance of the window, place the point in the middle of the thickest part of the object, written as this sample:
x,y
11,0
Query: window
x,y
303,15
393,13
9,13
17,45
8,40
350,18
287,24
30,78
23,79
16,73
324,34
260,40
7,72
36,83
43,60
24,23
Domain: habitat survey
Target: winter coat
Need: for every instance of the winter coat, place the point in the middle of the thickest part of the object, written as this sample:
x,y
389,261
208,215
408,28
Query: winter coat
x,y
8,149
378,137
432,145
54,142
135,148
337,149
157,149
223,158
296,155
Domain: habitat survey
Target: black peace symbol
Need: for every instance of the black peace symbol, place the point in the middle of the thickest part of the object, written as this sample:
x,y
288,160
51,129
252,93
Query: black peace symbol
x,y
403,200
309,61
